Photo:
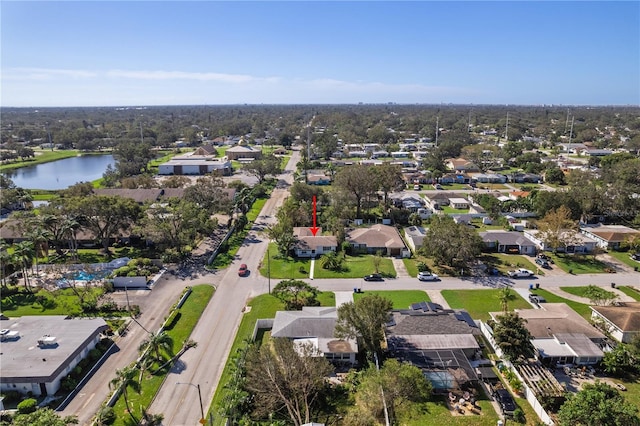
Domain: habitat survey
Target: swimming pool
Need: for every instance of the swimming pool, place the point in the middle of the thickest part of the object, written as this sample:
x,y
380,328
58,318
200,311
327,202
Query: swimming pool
x,y
86,275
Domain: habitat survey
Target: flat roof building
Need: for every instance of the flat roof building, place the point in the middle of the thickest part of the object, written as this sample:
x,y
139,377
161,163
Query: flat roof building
x,y
44,350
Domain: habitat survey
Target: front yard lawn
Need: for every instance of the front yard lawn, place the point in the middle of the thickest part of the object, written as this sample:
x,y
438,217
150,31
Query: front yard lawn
x,y
582,309
401,299
623,257
480,302
630,291
357,267
578,264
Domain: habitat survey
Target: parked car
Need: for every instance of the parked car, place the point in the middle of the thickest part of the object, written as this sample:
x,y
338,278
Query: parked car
x,y
545,257
243,270
506,401
543,262
520,273
635,256
427,276
534,298
373,277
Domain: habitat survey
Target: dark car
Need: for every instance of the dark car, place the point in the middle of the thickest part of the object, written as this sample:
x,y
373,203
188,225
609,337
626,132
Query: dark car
x,y
373,277
506,401
543,262
635,256
243,271
534,298
545,257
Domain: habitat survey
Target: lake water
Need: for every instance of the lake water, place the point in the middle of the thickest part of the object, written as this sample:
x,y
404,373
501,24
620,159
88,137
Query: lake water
x,y
61,174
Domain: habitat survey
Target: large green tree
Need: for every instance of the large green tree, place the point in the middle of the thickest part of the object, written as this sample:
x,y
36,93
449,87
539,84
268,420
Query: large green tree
x,y
452,244
263,167
295,294
209,193
177,223
512,337
105,216
598,404
286,381
401,383
359,181
364,319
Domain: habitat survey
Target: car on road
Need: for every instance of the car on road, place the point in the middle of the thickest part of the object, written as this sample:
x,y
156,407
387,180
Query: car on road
x,y
534,298
427,276
543,262
373,277
243,270
507,404
520,273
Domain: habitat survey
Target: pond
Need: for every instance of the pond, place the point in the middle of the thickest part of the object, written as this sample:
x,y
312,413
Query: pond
x,y
61,174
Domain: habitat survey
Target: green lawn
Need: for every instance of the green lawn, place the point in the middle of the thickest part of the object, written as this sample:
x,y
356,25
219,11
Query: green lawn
x,y
451,210
281,268
357,267
41,156
401,299
44,302
480,302
507,262
623,257
410,264
578,264
179,331
582,309
629,291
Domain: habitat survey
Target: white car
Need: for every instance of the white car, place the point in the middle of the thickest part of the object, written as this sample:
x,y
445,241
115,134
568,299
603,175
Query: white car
x,y
427,276
520,273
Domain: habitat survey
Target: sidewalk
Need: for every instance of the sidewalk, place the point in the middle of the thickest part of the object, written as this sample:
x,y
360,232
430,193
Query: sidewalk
x,y
401,270
436,297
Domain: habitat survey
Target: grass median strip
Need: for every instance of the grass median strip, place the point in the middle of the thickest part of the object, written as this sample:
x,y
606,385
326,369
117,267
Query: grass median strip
x,y
141,393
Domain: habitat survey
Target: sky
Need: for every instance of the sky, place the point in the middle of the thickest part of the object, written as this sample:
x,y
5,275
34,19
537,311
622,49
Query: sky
x,y
137,53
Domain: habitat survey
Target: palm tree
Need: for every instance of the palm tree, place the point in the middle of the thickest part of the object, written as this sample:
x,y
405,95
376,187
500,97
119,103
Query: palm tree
x,y
156,342
506,295
123,379
7,260
68,230
24,252
40,237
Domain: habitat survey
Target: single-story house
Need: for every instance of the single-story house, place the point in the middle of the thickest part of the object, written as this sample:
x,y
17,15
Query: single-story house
x,y
208,150
42,350
524,178
461,165
243,152
437,199
438,341
315,325
609,236
309,245
414,235
596,152
409,201
511,242
378,238
572,148
622,320
514,195
580,242
459,203
489,178
455,178
560,335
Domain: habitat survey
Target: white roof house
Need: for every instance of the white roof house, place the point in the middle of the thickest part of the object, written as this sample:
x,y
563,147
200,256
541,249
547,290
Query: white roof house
x,y
45,349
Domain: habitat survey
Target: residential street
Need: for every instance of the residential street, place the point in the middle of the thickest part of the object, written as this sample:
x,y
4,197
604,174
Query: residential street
x,y
178,398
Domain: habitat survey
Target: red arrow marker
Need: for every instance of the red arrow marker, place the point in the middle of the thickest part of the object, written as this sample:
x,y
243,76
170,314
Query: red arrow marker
x,y
314,229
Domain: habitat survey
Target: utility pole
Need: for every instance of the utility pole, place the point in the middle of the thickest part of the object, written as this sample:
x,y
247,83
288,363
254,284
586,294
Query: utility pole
x,y
269,269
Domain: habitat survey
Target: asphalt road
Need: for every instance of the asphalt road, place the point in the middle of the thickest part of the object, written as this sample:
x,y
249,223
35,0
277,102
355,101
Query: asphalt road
x,y
178,398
